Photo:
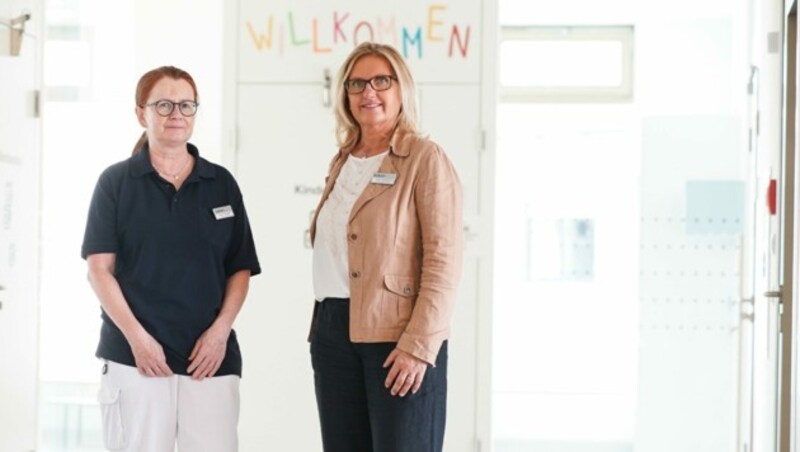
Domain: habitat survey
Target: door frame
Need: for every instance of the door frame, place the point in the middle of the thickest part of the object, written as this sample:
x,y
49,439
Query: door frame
x,y
787,405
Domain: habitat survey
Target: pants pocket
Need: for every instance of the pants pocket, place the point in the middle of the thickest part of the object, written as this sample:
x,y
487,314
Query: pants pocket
x,y
111,412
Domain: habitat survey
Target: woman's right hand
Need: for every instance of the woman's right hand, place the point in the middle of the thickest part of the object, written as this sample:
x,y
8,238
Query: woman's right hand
x,y
147,352
149,356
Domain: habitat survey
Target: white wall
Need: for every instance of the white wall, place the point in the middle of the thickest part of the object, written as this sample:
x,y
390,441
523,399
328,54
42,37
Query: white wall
x,y
19,232
187,34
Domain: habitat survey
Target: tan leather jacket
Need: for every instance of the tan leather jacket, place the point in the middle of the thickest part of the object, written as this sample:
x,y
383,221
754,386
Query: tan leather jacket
x,y
405,248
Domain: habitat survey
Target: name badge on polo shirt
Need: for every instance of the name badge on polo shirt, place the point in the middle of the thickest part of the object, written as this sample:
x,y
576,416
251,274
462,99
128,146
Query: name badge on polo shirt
x,y
383,178
222,212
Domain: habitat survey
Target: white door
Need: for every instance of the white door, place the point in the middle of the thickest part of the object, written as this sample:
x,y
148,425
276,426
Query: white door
x,y
285,144
748,266
19,215
283,155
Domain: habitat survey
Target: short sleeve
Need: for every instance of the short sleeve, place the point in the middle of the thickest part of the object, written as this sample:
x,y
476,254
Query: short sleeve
x,y
242,252
100,235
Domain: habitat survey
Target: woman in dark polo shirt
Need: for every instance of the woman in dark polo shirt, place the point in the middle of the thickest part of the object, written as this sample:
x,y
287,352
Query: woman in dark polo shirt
x,y
170,255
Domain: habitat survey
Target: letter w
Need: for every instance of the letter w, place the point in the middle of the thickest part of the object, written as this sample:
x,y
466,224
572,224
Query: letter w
x,y
261,41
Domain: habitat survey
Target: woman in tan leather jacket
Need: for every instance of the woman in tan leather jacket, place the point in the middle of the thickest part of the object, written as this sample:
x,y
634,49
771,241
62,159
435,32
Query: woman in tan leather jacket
x,y
386,265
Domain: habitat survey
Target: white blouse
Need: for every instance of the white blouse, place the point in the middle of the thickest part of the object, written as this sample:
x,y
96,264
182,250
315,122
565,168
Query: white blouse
x,y
329,258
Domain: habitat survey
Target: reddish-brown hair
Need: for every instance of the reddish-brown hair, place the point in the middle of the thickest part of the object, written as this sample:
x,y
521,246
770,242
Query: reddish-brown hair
x,y
146,84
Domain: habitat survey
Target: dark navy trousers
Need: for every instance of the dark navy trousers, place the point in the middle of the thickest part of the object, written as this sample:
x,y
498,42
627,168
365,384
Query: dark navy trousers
x,y
357,412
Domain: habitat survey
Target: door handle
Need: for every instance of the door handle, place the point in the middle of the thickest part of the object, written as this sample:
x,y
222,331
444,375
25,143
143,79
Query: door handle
x,y
772,294
326,88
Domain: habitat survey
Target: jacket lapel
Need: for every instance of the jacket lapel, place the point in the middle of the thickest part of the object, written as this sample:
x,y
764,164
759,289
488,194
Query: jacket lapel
x,y
373,189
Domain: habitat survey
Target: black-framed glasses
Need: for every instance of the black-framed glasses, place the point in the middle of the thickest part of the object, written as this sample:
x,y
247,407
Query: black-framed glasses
x,y
378,83
165,107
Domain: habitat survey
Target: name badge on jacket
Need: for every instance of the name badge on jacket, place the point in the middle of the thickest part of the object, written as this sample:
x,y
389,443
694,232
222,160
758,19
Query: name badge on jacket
x,y
384,178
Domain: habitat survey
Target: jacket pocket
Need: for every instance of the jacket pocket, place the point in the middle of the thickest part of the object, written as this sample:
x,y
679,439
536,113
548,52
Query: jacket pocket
x,y
111,412
398,299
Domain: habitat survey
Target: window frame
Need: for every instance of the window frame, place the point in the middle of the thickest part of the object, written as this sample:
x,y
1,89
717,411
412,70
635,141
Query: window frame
x,y
623,34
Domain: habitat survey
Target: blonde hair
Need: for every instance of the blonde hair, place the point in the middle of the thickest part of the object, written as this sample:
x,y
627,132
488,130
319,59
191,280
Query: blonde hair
x,y
348,132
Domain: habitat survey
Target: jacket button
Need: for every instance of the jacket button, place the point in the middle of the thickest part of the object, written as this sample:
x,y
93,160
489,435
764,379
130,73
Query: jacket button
x,y
355,274
353,236
407,290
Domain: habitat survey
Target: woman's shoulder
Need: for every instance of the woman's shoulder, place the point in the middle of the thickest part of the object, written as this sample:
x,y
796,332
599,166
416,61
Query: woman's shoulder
x,y
213,168
426,156
117,171
417,145
217,175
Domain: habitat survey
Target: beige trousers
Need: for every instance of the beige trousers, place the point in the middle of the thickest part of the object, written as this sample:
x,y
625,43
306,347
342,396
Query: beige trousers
x,y
156,414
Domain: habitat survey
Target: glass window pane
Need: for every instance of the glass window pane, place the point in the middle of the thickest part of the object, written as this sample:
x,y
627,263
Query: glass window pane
x,y
545,63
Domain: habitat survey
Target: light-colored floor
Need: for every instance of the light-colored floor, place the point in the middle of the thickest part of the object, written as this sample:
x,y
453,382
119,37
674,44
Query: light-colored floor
x,y
510,445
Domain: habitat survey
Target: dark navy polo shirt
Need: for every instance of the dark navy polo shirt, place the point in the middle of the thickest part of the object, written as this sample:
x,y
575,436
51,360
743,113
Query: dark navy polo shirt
x,y
173,254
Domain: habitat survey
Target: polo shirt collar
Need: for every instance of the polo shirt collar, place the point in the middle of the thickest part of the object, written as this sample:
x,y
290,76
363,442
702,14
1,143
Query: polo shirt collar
x,y
140,164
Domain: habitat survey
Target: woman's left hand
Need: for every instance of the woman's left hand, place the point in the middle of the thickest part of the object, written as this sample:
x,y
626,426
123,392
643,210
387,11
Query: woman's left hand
x,y
208,353
406,374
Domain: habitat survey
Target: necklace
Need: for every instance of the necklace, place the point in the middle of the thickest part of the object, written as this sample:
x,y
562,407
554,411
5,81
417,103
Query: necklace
x,y
174,176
